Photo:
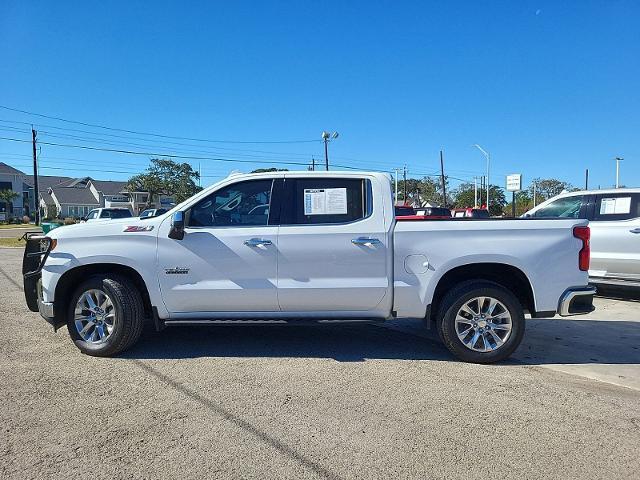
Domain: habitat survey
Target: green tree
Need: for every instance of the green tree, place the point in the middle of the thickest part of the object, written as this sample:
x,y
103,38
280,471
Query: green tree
x,y
464,197
547,188
166,177
524,202
423,191
8,196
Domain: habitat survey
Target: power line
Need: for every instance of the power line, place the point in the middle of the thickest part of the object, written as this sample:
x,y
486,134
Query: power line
x,y
93,125
168,155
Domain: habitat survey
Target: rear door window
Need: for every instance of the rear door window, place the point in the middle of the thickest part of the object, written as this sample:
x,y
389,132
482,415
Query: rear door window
x,y
120,214
326,200
617,206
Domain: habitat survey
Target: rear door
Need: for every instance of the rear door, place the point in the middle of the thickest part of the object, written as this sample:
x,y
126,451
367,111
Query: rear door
x,y
615,236
332,245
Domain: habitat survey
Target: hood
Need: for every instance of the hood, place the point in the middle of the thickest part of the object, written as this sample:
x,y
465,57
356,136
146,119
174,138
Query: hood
x,y
107,227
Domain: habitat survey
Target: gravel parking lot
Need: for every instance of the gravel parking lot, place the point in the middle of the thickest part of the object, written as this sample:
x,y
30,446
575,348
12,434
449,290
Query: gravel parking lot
x,y
318,402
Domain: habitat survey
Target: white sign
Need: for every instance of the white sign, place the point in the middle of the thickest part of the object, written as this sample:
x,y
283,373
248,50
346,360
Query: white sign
x,y
514,182
613,206
325,201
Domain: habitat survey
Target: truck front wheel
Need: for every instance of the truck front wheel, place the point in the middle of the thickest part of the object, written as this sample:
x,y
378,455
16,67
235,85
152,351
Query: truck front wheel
x,y
481,322
105,315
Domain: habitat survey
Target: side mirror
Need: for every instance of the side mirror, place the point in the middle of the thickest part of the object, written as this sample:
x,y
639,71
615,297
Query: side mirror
x,y
177,226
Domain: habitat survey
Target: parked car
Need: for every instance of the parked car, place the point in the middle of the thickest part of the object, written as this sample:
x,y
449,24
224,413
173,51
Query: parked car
x,y
152,212
614,218
434,212
427,213
470,213
107,214
326,249
404,210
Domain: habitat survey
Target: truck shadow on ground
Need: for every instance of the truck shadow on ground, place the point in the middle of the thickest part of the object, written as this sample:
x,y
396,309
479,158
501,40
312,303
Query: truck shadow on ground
x,y
547,341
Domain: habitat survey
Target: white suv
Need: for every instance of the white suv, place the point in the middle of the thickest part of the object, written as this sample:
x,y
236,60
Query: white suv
x,y
107,214
614,217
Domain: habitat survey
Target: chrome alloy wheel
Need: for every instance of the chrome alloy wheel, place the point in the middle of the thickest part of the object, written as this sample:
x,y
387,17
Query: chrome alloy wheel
x,y
94,316
483,324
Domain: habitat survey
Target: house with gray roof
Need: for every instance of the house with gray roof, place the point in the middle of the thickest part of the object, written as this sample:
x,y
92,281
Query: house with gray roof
x,y
70,197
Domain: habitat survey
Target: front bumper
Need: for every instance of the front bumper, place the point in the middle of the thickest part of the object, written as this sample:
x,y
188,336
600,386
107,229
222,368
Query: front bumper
x,y
576,301
35,255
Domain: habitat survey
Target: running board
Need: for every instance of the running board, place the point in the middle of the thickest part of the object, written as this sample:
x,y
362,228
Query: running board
x,y
271,321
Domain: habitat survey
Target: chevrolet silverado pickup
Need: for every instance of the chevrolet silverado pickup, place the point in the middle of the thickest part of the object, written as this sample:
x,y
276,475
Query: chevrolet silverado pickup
x,y
307,246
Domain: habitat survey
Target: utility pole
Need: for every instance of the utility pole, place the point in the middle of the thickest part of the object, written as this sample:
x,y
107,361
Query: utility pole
x,y
36,192
513,204
534,193
313,164
444,190
586,179
395,199
475,192
404,176
618,160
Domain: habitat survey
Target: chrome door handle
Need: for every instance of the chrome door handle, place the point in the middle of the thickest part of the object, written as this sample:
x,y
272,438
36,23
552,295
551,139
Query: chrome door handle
x,y
365,241
257,242
635,230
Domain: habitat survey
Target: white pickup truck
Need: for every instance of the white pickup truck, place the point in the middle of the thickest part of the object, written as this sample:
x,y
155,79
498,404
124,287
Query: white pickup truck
x,y
294,246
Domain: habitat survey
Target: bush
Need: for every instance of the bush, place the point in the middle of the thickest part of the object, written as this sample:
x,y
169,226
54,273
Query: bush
x,y
26,219
69,221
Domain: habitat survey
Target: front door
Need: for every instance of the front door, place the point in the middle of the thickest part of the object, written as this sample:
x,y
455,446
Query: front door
x,y
615,236
332,246
226,261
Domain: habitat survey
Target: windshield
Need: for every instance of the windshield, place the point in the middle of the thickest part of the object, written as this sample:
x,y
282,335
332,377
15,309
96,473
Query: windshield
x,y
568,207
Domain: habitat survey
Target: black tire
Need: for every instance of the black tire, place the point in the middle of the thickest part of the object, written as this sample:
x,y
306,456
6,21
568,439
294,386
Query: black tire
x,y
455,299
129,315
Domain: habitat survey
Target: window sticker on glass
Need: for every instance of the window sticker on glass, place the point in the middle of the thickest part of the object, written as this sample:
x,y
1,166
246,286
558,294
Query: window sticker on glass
x,y
325,201
615,206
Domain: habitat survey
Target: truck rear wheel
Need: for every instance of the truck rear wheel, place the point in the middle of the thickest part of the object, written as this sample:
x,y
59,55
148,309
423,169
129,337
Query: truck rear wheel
x,y
481,322
105,315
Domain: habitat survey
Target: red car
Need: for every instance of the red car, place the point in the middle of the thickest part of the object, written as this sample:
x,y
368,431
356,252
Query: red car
x,y
470,213
426,213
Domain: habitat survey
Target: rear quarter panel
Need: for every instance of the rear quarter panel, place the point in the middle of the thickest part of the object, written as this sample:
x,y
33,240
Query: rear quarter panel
x,y
544,250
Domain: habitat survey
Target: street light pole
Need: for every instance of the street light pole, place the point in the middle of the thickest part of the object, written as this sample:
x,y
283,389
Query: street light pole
x,y
487,155
618,160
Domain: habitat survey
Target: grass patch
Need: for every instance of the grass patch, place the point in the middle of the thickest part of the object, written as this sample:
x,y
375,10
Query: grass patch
x,y
17,225
11,242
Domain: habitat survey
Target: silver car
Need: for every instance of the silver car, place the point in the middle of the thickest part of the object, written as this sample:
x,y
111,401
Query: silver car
x,y
614,218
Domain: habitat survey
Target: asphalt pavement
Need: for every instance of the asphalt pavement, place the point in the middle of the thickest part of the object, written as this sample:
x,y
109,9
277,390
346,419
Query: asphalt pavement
x,y
360,401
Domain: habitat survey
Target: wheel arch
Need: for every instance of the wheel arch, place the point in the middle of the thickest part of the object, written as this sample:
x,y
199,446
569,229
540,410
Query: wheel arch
x,y
73,277
505,275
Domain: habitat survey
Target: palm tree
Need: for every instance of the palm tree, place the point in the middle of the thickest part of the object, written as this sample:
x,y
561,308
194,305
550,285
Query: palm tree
x,y
8,196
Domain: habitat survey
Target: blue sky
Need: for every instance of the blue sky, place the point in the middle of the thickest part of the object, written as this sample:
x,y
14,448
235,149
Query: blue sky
x,y
549,88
